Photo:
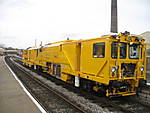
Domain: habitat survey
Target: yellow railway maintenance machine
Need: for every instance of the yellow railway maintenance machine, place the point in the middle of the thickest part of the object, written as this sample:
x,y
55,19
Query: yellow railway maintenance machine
x,y
113,65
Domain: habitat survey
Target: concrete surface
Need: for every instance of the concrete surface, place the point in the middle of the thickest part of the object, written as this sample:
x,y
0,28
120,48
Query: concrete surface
x,y
12,97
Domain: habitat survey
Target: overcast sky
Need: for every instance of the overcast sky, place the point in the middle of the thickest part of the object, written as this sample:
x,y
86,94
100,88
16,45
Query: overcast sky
x,y
23,21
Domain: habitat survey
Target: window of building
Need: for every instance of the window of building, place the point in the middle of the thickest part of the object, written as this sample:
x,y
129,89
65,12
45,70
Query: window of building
x,y
99,50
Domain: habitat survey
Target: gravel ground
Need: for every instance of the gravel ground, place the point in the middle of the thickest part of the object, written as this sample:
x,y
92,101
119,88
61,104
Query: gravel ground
x,y
85,103
133,104
144,95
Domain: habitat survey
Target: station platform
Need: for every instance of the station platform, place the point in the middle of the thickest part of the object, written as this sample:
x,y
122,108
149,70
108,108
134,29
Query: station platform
x,y
13,99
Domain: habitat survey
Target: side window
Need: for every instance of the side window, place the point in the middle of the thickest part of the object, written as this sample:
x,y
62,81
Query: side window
x,y
99,50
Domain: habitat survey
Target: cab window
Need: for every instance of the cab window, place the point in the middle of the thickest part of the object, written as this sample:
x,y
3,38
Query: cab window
x,y
134,51
123,47
99,50
114,50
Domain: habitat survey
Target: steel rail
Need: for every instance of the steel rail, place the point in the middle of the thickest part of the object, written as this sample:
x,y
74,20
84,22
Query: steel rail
x,y
50,89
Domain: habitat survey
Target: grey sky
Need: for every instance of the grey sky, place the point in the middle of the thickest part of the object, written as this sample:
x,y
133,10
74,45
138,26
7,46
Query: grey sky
x,y
23,21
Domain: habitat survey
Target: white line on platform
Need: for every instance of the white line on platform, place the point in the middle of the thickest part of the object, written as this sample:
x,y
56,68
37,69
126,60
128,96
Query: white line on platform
x,y
26,91
148,83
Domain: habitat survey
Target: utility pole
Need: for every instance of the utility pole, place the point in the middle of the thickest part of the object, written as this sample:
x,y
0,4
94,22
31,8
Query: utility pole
x,y
114,20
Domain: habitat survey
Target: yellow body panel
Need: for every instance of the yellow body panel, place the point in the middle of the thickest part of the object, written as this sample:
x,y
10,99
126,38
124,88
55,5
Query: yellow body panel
x,y
95,68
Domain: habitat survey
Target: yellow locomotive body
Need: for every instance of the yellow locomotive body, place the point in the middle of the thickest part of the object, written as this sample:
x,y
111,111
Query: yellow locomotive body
x,y
112,64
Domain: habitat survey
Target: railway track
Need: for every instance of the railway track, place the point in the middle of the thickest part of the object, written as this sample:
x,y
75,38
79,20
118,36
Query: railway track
x,y
118,104
52,101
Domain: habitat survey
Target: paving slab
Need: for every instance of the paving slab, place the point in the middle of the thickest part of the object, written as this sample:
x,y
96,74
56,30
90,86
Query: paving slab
x,y
13,98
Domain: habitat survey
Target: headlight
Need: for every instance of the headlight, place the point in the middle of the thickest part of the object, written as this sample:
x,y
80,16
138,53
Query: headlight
x,y
113,69
142,68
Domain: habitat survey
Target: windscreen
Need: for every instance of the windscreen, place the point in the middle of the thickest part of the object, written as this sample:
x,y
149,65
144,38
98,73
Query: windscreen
x,y
134,51
114,50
